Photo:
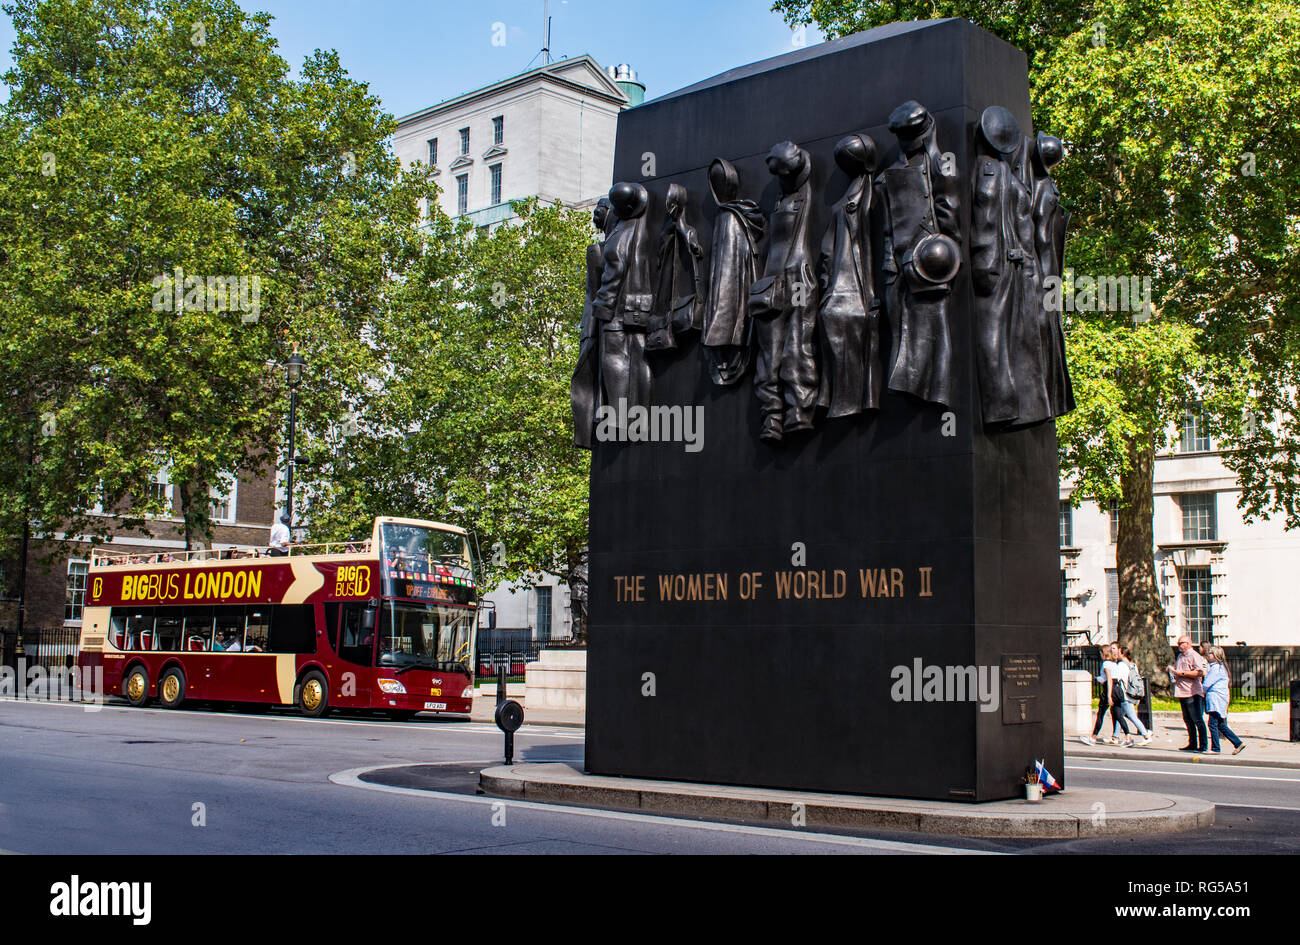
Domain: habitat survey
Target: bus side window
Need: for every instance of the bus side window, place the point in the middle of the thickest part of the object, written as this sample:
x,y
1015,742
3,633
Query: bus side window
x,y
332,625
168,629
117,635
258,629
293,629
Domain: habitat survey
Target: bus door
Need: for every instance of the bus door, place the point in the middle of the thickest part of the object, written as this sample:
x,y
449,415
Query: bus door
x,y
353,626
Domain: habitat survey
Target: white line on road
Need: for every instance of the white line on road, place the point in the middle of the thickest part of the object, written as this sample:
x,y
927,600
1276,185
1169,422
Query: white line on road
x,y
471,728
1257,806
351,778
1188,774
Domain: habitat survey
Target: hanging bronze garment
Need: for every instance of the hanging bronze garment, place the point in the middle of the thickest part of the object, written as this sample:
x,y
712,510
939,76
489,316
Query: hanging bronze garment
x,y
921,257
1007,288
783,304
1050,223
679,298
734,266
584,389
623,302
849,314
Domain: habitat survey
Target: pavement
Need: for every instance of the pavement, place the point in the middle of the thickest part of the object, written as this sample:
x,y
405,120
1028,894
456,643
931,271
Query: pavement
x,y
1268,744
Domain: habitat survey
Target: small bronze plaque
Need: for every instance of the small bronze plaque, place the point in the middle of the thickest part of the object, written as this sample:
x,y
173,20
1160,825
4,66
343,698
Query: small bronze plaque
x,y
1022,678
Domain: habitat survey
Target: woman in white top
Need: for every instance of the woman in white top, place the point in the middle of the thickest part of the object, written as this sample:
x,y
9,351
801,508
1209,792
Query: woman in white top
x,y
1109,697
1123,671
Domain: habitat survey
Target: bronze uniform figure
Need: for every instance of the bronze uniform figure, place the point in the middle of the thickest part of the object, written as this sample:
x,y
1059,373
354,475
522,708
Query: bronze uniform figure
x,y
921,257
734,266
783,304
624,301
584,389
849,314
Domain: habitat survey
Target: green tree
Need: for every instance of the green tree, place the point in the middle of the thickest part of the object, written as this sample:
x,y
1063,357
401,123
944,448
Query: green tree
x,y
1179,117
149,140
471,421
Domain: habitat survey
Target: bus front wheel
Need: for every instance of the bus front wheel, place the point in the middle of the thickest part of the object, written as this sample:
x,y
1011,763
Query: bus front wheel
x,y
171,688
135,686
313,695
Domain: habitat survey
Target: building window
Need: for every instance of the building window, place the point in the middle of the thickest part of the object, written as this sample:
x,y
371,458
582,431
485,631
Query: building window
x,y
433,152
1199,521
496,183
1195,436
1198,621
1113,513
1067,525
223,501
543,613
1065,602
74,600
464,141
157,492
462,194
498,130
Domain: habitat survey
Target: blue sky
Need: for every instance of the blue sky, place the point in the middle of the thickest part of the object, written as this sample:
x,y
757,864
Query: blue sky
x,y
416,54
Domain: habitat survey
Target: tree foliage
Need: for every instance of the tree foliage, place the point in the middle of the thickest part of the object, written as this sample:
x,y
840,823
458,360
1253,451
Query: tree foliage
x,y
472,416
143,137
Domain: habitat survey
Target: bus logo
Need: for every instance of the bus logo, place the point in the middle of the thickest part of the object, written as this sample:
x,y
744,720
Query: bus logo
x,y
353,580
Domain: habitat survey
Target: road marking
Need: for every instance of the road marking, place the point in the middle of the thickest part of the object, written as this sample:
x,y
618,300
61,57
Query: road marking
x,y
1257,806
351,778
1191,774
472,728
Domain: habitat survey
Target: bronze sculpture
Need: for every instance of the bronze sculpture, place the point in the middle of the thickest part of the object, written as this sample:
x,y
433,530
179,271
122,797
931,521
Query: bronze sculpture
x,y
1004,273
1050,222
623,302
679,298
783,304
849,314
584,389
734,266
921,256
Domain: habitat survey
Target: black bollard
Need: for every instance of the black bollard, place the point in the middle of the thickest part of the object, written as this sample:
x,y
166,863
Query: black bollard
x,y
509,716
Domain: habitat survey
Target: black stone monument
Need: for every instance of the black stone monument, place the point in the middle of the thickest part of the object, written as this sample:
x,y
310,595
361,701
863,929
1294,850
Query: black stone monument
x,y
775,614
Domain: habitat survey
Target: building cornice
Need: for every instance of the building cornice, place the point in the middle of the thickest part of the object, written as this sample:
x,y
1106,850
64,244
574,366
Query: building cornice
x,y
612,93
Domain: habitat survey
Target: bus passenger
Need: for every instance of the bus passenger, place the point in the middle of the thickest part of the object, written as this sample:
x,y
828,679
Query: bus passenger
x,y
279,543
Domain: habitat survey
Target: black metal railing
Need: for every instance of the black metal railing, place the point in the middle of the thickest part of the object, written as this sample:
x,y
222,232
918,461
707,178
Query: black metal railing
x,y
54,648
511,647
1254,678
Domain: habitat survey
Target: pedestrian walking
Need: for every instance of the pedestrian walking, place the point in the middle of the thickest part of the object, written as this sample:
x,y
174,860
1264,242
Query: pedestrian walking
x,y
1218,693
1134,687
1188,671
1111,689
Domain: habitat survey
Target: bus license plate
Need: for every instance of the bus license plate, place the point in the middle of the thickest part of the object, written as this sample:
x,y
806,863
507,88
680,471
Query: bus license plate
x,y
436,706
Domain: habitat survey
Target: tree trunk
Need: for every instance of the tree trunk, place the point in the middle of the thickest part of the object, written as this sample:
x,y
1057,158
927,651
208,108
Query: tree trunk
x,y
1142,618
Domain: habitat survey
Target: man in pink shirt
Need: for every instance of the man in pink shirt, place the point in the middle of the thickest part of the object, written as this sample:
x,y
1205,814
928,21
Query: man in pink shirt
x,y
1187,671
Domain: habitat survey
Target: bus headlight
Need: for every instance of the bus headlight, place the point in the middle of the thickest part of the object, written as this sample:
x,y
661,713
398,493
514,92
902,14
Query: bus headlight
x,y
392,686
468,693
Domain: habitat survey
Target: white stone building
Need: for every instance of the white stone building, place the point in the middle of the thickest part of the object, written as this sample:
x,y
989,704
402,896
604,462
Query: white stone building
x,y
547,132
1221,580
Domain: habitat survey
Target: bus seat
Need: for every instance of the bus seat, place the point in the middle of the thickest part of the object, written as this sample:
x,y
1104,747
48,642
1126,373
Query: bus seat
x,y
196,643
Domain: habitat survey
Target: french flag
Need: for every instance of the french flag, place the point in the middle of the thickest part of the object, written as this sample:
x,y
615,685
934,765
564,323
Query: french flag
x,y
1049,783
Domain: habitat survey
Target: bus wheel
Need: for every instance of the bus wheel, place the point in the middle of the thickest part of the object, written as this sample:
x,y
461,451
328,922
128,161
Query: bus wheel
x,y
314,695
171,688
135,685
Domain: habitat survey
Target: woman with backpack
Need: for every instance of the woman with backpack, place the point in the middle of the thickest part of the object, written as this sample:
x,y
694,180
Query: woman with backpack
x,y
1217,697
1135,688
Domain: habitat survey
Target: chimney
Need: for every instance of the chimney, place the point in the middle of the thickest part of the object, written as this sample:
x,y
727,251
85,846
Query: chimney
x,y
625,76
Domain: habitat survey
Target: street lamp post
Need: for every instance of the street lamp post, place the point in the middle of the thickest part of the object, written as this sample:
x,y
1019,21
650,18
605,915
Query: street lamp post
x,y
293,375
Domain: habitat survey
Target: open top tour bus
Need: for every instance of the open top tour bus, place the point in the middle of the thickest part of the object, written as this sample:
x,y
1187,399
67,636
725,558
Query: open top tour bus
x,y
385,624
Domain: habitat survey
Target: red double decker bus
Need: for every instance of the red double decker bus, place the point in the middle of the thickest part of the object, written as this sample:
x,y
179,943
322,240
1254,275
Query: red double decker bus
x,y
386,624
